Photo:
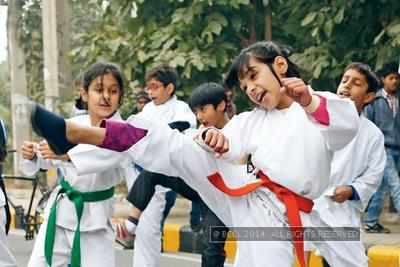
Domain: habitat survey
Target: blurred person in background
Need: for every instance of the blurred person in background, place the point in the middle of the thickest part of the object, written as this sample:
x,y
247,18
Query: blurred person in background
x,y
6,258
383,111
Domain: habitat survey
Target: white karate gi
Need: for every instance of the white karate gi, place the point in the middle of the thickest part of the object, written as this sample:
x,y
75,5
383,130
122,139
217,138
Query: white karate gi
x,y
97,235
360,164
148,232
6,258
288,145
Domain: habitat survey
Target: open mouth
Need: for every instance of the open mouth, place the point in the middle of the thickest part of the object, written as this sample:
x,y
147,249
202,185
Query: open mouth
x,y
260,97
344,94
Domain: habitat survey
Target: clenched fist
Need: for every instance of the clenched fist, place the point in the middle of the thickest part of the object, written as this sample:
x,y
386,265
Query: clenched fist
x,y
216,141
296,89
28,150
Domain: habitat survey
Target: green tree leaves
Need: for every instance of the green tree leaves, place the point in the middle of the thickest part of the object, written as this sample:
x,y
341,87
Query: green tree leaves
x,y
201,37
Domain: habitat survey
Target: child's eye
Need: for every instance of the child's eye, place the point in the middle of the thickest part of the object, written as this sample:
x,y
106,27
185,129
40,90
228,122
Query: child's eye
x,y
253,75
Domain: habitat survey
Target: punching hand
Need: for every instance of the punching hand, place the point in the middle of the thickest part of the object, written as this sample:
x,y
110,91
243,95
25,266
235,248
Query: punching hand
x,y
297,90
28,150
216,141
46,152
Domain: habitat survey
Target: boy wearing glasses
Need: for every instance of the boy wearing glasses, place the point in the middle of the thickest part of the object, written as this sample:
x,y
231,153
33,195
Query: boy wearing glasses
x,y
164,108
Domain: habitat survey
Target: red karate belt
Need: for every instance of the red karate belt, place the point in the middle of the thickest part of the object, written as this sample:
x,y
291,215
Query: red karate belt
x,y
293,202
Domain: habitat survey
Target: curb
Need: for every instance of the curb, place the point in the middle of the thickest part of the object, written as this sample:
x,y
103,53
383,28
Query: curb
x,y
388,256
181,238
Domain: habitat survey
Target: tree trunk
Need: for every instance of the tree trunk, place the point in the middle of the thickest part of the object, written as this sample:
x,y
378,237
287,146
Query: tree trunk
x,y
57,70
268,23
64,47
21,129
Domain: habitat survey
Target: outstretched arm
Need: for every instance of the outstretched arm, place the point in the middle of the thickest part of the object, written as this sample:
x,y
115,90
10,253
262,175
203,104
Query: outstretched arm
x,y
38,156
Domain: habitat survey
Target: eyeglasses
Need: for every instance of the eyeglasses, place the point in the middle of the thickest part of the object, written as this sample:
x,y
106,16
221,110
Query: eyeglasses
x,y
154,86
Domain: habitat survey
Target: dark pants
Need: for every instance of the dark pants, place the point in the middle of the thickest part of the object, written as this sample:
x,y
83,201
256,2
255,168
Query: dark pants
x,y
213,253
170,198
195,215
143,190
325,263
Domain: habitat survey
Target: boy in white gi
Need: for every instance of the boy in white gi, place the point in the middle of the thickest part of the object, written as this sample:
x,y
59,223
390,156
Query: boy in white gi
x,y
164,108
357,169
291,136
77,230
209,102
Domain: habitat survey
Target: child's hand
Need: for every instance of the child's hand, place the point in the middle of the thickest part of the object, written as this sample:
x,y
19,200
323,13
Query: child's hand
x,y
215,140
342,193
297,90
28,150
123,233
45,150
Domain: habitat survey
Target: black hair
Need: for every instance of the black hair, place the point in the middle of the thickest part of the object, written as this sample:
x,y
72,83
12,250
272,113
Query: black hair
x,y
101,69
164,74
265,52
387,69
143,94
228,89
371,77
207,93
80,104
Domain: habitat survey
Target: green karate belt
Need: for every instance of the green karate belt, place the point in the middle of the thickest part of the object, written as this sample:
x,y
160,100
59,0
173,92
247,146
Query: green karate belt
x,y
78,198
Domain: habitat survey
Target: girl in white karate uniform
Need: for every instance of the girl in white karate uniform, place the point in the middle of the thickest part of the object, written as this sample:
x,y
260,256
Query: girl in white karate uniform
x,y
291,136
357,169
64,239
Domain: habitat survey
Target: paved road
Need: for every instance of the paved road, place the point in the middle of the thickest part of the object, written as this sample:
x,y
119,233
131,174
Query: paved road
x,y
22,249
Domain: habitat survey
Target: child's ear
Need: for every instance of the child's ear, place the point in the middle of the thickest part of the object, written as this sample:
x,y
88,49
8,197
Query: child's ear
x,y
170,89
221,106
281,65
369,97
84,94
